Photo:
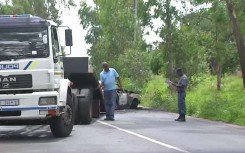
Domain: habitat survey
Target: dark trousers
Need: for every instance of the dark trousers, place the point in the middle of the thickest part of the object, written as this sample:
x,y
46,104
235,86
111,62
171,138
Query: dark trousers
x,y
110,102
181,103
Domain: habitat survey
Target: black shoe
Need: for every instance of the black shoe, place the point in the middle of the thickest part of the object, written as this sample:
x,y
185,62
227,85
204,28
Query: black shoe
x,y
107,119
181,119
178,118
111,119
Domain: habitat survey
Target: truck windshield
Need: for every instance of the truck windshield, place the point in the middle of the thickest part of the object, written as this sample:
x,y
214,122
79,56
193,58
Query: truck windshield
x,y
23,42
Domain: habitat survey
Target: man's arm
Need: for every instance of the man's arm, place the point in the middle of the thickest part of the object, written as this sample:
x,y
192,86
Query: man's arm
x,y
179,85
118,79
102,82
100,86
120,83
175,84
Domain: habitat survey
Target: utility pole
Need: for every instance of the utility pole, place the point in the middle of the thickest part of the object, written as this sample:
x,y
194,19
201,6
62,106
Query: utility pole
x,y
136,18
169,40
48,8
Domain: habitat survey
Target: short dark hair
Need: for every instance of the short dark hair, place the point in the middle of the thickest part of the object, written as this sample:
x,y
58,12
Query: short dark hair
x,y
179,70
104,63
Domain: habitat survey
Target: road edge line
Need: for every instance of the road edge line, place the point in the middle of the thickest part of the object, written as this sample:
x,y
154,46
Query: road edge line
x,y
144,137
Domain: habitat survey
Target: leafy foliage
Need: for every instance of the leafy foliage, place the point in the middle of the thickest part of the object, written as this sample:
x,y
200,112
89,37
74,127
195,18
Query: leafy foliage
x,y
48,9
111,26
204,101
157,95
133,64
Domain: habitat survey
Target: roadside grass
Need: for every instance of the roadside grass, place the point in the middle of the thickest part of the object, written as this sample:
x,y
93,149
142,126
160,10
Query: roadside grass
x,y
203,100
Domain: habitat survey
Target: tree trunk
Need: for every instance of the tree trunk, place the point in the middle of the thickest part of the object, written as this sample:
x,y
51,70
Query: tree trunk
x,y
169,41
136,19
219,75
238,36
218,68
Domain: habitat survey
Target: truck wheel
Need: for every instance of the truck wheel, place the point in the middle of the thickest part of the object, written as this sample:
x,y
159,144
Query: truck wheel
x,y
61,126
117,107
76,115
102,105
85,106
134,104
96,108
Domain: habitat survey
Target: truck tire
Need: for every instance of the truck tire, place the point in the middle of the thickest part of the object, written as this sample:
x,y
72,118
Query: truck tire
x,y
96,108
61,126
85,105
117,107
134,104
76,111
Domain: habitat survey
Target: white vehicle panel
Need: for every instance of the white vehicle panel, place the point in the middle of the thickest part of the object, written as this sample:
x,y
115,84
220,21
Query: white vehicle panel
x,y
28,103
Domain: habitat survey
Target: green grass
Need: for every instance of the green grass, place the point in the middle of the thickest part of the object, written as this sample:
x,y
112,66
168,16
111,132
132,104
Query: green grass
x,y
204,101
157,95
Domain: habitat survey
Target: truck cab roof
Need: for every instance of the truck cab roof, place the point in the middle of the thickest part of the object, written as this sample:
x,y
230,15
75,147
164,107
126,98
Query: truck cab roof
x,y
22,21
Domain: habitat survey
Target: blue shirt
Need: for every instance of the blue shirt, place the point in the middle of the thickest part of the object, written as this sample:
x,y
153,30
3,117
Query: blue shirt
x,y
108,79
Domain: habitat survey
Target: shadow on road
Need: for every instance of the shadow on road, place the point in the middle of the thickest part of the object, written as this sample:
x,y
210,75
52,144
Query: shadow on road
x,y
33,134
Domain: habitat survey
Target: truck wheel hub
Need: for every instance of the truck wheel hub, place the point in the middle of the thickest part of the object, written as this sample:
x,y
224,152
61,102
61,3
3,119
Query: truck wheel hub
x,y
67,116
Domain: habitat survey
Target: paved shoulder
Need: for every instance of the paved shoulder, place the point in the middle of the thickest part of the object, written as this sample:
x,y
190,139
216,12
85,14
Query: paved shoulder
x,y
132,132
195,135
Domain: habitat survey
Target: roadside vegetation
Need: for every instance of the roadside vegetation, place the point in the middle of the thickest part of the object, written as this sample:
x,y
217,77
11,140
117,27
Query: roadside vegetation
x,y
204,37
203,101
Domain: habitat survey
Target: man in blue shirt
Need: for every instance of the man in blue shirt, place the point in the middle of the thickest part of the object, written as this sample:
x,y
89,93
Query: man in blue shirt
x,y
108,81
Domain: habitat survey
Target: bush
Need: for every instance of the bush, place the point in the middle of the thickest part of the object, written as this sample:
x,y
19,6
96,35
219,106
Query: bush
x,y
204,100
157,95
131,85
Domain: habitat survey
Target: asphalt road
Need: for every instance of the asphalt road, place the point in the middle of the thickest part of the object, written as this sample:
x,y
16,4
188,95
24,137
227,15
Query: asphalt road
x,y
139,131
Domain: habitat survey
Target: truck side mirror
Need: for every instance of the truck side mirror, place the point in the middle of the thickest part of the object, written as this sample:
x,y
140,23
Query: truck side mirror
x,y
68,37
56,60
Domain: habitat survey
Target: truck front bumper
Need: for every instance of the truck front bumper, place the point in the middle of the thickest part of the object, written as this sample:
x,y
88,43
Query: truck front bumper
x,y
29,106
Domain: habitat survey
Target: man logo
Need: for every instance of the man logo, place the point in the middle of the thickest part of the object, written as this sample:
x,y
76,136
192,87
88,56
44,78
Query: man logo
x,y
5,85
9,66
7,79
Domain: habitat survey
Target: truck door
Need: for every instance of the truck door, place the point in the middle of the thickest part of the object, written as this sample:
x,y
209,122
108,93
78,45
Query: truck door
x,y
56,50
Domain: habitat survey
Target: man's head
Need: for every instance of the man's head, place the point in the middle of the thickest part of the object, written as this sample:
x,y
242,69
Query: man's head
x,y
179,72
105,66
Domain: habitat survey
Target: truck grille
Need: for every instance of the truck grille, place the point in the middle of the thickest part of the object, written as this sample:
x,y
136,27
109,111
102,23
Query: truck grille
x,y
10,113
16,81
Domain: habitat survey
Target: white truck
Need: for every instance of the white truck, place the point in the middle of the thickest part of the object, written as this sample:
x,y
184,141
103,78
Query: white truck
x,y
35,77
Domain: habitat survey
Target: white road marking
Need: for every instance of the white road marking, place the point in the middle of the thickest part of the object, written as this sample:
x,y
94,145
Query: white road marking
x,y
144,137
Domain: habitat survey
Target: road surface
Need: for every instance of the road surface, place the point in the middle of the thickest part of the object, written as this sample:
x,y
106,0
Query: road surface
x,y
141,131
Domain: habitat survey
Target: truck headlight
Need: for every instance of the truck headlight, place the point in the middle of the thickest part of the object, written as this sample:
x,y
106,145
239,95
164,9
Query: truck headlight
x,y
47,101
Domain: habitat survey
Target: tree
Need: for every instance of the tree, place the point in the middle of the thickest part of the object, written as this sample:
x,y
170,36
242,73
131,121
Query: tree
x,y
135,65
47,9
215,22
238,36
110,27
168,14
221,46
